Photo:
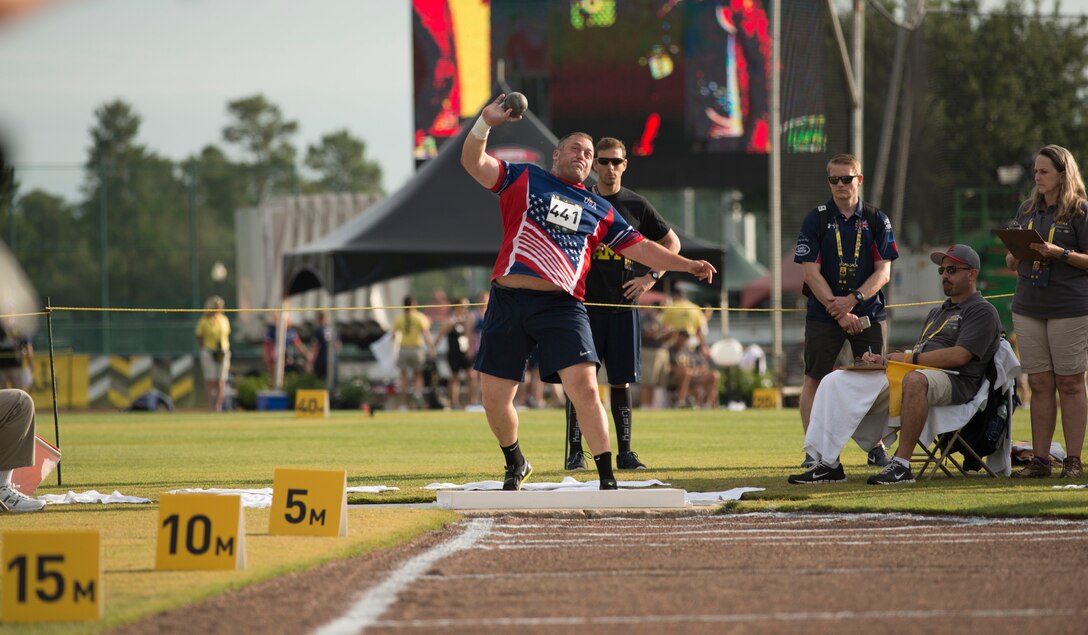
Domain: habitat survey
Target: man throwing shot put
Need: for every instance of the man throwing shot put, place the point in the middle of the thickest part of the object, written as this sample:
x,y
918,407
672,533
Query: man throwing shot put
x,y
551,225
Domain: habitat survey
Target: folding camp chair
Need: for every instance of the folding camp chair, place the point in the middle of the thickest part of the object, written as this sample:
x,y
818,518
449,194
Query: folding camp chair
x,y
945,436
949,421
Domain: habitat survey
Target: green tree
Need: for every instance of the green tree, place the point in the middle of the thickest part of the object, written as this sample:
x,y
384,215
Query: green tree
x,y
988,88
341,163
217,189
262,133
1006,83
137,213
54,249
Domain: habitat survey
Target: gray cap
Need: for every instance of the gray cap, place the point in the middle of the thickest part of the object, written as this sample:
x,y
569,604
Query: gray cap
x,y
959,253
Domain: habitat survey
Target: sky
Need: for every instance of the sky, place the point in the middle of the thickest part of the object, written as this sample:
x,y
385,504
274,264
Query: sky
x,y
328,64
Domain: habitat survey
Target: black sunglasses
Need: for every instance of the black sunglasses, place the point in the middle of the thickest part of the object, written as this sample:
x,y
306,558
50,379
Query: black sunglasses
x,y
951,269
841,179
607,160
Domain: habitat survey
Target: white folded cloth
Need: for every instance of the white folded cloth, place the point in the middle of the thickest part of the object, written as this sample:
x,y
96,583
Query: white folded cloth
x,y
90,496
262,497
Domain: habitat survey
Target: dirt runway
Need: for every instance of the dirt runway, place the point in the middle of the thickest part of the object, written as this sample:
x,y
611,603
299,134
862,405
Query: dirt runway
x,y
745,573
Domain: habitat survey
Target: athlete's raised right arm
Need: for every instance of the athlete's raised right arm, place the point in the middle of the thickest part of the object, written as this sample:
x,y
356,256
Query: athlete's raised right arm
x,y
482,166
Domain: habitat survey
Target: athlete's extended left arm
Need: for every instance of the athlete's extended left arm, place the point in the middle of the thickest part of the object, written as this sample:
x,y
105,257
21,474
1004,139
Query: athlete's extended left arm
x,y
635,287
657,257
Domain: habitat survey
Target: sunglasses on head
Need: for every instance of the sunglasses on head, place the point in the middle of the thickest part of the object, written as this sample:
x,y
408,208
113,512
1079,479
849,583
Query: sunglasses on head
x,y
845,180
608,160
951,269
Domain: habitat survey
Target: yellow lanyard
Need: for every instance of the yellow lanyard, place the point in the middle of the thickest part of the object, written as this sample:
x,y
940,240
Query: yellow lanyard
x,y
857,243
1050,239
923,340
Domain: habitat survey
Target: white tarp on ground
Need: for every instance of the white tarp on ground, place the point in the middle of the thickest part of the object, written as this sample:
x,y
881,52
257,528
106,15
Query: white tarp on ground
x,y
262,497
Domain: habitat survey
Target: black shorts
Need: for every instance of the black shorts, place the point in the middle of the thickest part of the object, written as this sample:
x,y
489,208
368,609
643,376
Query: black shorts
x,y
518,320
824,340
617,335
458,362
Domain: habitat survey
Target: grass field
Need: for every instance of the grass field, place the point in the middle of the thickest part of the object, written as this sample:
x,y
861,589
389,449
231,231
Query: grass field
x,y
149,454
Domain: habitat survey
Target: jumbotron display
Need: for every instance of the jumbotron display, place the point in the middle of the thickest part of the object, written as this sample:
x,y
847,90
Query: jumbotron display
x,y
684,84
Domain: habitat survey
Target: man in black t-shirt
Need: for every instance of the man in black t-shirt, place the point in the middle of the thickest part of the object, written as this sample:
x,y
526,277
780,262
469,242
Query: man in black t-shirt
x,y
615,280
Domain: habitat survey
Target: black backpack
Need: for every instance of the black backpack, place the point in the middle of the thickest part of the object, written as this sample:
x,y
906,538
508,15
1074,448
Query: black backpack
x,y
986,430
867,210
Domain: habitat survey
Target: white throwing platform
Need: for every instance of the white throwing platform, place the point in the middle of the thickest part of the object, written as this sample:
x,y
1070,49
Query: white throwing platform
x,y
571,499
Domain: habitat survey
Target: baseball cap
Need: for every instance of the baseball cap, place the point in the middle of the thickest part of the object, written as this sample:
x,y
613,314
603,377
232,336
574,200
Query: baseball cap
x,y
959,253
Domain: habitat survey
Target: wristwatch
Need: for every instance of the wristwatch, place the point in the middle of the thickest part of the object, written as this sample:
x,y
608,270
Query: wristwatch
x,y
858,296
655,275
1065,254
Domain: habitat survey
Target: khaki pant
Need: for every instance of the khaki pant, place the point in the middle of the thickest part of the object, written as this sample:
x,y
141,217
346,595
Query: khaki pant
x,y
16,429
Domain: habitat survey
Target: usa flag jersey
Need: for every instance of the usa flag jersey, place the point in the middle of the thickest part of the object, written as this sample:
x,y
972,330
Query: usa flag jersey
x,y
550,227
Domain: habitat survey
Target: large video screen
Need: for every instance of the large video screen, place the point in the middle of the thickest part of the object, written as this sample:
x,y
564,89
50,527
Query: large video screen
x,y
684,84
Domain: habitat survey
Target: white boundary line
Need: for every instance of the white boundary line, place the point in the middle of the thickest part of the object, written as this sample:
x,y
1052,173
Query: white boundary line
x,y
373,603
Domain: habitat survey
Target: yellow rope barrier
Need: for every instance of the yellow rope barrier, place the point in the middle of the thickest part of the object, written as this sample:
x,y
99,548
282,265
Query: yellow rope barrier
x,y
88,309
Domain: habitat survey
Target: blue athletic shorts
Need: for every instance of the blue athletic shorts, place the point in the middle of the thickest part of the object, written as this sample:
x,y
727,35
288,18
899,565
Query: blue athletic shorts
x,y
519,320
617,335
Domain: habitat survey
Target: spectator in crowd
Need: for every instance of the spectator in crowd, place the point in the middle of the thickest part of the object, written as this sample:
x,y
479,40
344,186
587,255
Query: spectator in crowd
x,y
295,353
696,382
681,314
655,355
1050,309
457,331
476,398
213,338
324,337
412,330
16,448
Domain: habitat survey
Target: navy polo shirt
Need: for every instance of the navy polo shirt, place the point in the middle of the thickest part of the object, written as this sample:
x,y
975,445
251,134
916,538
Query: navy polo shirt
x,y
877,243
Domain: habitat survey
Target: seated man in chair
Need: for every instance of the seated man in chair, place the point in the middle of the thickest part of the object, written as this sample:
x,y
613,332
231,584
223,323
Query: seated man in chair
x,y
960,335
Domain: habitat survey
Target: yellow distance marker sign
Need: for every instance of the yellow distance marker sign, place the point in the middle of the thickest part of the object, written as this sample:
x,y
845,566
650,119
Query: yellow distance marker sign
x,y
52,576
309,503
200,532
312,404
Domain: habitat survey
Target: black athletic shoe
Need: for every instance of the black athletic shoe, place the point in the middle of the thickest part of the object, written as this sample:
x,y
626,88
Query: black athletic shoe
x,y
609,484
576,460
878,457
629,461
515,476
893,474
809,462
819,474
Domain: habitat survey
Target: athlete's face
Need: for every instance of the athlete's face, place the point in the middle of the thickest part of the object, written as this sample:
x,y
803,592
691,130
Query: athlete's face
x,y
571,160
610,173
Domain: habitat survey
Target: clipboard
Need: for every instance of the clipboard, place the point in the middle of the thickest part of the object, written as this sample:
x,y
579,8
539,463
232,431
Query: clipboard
x,y
863,367
1017,240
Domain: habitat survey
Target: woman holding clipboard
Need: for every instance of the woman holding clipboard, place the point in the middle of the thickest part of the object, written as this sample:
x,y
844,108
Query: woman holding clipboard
x,y
1050,308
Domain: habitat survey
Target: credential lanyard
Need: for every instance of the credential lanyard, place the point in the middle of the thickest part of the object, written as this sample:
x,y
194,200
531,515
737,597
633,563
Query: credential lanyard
x,y
843,265
923,340
1050,236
